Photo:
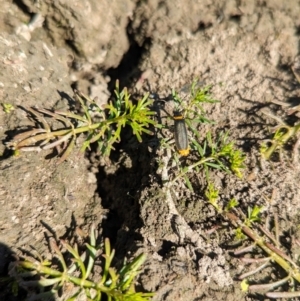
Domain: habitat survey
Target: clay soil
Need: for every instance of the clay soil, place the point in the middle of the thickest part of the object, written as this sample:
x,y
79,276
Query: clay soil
x,y
243,49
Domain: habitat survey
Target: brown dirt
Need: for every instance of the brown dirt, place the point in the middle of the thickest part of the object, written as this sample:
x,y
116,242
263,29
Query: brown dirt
x,y
244,49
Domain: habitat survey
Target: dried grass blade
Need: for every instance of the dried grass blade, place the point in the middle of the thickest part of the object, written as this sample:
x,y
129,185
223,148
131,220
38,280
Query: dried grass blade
x,y
57,117
40,118
22,136
31,149
59,141
71,115
33,140
79,96
285,295
67,152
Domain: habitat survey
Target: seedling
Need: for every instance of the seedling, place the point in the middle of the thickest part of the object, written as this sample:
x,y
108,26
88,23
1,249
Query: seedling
x,y
194,110
233,203
212,195
284,132
282,136
102,125
7,107
222,154
115,285
216,155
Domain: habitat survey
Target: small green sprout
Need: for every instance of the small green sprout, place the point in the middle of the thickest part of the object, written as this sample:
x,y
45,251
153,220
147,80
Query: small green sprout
x,y
253,215
194,110
281,138
244,286
239,235
283,134
7,107
235,158
233,203
212,195
223,153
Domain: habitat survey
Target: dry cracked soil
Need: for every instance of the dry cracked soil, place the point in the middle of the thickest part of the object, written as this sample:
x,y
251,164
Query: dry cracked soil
x,y
244,50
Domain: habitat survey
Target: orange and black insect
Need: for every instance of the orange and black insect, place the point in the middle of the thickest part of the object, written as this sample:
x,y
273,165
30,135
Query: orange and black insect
x,y
180,134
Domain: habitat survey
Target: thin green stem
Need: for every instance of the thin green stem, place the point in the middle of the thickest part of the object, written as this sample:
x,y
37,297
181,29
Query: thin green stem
x,y
191,167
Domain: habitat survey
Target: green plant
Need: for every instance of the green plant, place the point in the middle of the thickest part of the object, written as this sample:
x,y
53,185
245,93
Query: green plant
x,y
253,215
233,203
194,110
284,132
248,229
220,154
282,136
102,125
7,107
216,153
272,254
115,285
212,195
